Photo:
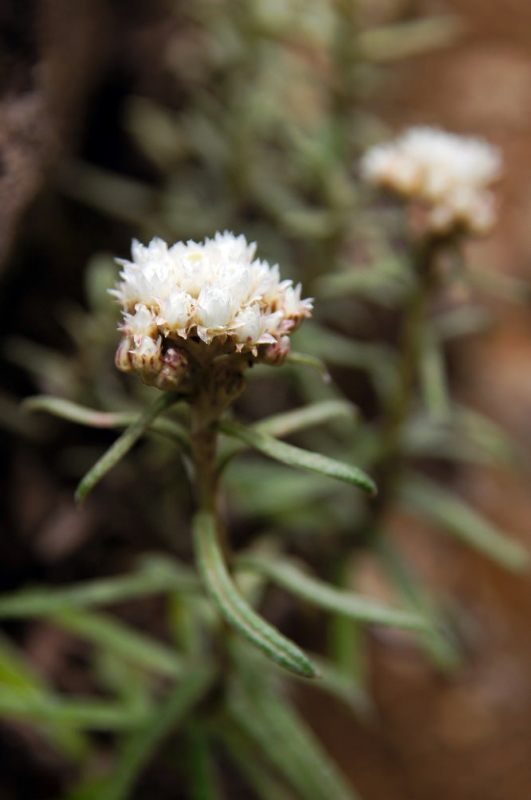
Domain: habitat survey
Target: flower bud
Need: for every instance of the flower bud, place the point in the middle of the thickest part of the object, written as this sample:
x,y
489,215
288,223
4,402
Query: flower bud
x,y
123,355
275,354
175,365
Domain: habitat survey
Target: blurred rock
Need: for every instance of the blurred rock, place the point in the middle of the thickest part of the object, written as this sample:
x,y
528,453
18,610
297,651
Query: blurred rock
x,y
51,52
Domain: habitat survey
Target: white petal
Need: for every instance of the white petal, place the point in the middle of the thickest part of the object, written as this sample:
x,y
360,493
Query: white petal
x,y
214,307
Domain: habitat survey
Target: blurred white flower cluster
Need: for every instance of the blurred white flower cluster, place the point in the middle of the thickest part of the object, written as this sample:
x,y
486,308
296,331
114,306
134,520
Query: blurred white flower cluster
x,y
189,303
449,173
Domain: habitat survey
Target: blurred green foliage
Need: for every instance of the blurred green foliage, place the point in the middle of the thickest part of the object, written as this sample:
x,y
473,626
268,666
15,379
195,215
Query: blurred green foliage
x,y
270,119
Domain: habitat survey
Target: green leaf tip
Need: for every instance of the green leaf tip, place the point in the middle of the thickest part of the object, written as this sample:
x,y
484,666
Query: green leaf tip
x,y
296,457
305,360
123,444
235,609
286,573
94,418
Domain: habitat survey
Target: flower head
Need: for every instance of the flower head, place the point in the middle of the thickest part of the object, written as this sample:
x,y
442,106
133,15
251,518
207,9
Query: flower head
x,y
204,300
450,174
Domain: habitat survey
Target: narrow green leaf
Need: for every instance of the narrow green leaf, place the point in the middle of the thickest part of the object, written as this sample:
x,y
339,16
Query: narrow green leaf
x,y
437,641
123,680
488,435
461,321
92,714
49,367
19,680
342,687
305,360
266,489
347,648
113,194
287,741
385,282
286,573
101,419
234,608
140,747
433,376
123,444
295,457
448,511
15,672
156,575
289,422
49,708
437,438
204,784
106,631
500,285
13,421
465,436
246,756
338,350
403,40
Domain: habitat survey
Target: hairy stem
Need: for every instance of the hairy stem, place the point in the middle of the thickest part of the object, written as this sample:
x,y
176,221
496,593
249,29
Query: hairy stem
x,y
203,451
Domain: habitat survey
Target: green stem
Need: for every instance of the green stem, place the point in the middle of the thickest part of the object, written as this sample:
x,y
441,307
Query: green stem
x,y
346,56
391,453
209,545
203,443
234,608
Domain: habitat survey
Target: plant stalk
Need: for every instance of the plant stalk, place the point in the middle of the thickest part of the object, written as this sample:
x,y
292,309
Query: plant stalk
x,y
391,456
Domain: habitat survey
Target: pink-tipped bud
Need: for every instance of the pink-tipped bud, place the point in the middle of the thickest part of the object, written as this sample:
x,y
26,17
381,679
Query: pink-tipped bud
x,y
175,365
275,354
123,355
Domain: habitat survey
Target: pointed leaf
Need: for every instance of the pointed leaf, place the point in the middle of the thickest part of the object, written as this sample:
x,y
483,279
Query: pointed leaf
x,y
52,709
267,489
488,435
108,632
461,321
433,376
385,282
140,747
403,40
342,687
305,360
234,608
338,350
287,574
204,784
247,758
17,678
437,641
500,285
448,511
289,422
285,424
295,457
287,741
122,445
464,436
156,575
101,419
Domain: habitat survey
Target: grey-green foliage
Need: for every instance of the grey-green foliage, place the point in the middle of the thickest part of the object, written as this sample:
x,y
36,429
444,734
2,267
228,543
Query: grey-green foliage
x,y
265,140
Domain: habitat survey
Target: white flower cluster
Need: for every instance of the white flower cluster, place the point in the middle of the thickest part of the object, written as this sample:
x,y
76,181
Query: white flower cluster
x,y
449,173
200,300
